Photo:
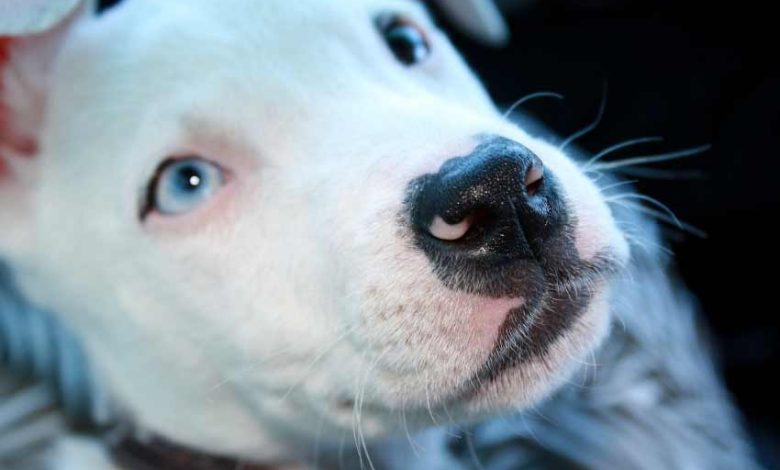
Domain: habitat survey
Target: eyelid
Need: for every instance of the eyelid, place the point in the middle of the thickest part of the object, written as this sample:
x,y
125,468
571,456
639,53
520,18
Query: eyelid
x,y
414,10
387,18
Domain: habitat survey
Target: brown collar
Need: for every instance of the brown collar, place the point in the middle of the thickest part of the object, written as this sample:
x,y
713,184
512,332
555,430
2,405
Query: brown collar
x,y
132,453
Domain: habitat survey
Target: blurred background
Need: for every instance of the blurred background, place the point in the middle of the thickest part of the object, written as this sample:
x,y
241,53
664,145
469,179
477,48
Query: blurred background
x,y
694,73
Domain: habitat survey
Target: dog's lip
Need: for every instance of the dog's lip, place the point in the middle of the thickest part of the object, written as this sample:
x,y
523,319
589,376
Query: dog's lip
x,y
507,355
570,291
572,286
488,316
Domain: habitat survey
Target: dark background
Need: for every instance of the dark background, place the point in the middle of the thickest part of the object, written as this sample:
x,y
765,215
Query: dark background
x,y
694,73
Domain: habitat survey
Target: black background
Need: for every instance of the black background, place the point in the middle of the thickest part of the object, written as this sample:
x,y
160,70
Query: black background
x,y
694,73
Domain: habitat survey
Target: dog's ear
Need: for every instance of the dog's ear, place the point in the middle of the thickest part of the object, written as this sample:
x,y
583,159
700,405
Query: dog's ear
x,y
31,32
480,19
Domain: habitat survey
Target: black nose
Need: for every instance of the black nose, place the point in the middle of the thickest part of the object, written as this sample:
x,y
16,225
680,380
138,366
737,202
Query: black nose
x,y
497,204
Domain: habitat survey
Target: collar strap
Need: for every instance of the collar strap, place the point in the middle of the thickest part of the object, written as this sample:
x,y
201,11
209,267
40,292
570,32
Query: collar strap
x,y
132,453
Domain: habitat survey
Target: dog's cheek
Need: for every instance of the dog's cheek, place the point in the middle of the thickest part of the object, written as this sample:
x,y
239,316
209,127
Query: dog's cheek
x,y
386,295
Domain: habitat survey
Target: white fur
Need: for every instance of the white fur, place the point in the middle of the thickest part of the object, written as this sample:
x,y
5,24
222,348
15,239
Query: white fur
x,y
235,328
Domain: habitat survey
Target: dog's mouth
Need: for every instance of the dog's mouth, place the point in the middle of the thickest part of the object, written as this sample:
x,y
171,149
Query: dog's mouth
x,y
530,329
527,333
474,379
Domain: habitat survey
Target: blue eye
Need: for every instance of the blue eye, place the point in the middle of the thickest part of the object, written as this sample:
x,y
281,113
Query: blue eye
x,y
181,185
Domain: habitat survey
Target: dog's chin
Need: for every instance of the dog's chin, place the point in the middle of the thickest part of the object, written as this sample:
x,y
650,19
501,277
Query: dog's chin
x,y
533,370
514,376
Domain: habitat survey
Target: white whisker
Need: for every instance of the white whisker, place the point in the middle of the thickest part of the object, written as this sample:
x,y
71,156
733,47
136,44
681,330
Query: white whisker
x,y
326,350
590,127
664,157
532,96
659,174
617,185
635,236
341,450
473,452
428,400
664,217
316,450
653,201
412,444
620,146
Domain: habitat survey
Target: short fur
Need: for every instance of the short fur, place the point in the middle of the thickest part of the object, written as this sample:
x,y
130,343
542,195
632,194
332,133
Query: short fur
x,y
293,317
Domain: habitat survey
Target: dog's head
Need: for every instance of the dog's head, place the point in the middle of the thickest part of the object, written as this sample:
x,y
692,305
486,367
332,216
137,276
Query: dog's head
x,y
268,220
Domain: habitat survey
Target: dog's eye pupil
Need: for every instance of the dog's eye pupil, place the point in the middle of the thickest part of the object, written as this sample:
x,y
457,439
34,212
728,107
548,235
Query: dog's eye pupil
x,y
406,40
188,179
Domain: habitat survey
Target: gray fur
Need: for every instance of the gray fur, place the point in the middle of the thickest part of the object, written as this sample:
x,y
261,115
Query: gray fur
x,y
651,399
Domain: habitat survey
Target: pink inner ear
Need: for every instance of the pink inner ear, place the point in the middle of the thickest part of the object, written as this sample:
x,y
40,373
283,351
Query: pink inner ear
x,y
9,139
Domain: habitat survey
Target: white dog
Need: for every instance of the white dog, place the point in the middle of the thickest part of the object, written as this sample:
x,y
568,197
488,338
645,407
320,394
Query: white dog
x,y
288,232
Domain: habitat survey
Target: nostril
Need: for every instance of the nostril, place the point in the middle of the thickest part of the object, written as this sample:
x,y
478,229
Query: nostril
x,y
472,225
440,229
534,179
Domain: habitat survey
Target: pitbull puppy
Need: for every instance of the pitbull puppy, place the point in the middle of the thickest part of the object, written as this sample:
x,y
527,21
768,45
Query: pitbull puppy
x,y
282,226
